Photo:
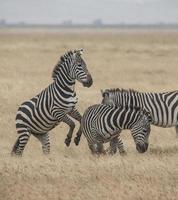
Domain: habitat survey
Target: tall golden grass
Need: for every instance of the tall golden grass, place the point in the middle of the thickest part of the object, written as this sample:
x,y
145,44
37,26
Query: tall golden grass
x,y
146,61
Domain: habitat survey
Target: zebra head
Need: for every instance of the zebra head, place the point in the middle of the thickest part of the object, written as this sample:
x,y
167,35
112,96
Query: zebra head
x,y
141,131
79,69
107,98
113,97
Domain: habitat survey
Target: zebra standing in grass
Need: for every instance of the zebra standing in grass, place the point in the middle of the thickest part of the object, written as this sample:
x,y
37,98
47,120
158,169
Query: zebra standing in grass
x,y
43,112
102,123
163,107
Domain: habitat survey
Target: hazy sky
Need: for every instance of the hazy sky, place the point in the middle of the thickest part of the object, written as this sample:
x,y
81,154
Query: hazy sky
x,y
85,11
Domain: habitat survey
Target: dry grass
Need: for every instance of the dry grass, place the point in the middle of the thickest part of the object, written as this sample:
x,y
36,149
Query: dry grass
x,y
139,60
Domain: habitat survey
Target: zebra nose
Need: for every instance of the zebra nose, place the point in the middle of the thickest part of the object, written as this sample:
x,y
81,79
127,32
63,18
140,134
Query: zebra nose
x,y
89,81
88,76
142,148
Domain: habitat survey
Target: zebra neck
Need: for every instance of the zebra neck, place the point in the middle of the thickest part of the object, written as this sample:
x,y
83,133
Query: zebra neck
x,y
64,82
119,117
126,118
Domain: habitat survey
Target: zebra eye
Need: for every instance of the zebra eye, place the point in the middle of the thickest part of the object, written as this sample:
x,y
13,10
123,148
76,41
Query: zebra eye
x,y
144,130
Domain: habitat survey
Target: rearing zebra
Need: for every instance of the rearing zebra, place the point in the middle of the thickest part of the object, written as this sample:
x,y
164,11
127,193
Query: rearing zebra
x,y
163,107
103,123
47,109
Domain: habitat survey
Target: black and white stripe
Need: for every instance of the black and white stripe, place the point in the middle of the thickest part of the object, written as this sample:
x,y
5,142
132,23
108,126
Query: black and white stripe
x,y
47,109
102,123
163,107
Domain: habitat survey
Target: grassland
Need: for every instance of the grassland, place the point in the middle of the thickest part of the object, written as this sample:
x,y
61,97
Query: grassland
x,y
146,61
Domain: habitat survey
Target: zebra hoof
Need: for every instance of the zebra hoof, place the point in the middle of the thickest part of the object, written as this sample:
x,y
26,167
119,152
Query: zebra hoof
x,y
123,153
111,153
76,141
67,142
14,154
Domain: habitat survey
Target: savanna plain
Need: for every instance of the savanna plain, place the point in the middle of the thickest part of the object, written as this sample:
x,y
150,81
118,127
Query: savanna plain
x,y
142,60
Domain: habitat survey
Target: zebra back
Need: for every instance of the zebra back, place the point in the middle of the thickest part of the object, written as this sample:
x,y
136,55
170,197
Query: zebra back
x,y
162,106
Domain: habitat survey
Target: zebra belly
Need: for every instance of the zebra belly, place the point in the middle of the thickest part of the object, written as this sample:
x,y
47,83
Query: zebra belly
x,y
107,136
34,127
167,120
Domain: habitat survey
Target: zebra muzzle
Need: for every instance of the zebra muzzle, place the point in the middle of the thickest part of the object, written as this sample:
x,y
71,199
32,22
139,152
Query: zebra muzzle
x,y
142,148
88,82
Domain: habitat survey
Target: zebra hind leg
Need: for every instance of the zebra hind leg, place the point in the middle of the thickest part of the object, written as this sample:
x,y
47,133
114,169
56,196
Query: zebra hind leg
x,y
121,146
177,131
13,152
45,141
20,143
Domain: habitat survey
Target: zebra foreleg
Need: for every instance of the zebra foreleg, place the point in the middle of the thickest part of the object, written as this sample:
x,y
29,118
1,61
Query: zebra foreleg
x,y
45,141
79,134
71,124
113,146
97,148
20,143
77,116
116,143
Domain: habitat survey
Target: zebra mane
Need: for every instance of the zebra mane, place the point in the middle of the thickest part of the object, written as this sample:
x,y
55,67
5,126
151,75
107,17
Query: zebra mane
x,y
60,62
120,90
137,108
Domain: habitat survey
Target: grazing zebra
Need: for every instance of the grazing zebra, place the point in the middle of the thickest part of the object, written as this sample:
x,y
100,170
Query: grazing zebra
x,y
163,107
102,123
43,112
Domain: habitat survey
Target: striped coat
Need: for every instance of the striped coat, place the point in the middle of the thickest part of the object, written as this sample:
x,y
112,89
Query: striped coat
x,y
163,107
103,123
52,105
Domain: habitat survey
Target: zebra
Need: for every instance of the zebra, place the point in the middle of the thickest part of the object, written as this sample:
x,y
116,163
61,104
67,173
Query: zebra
x,y
102,123
52,105
163,107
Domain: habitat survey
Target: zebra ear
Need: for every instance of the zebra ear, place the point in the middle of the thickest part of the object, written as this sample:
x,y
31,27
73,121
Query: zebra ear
x,y
78,52
81,51
104,94
148,114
